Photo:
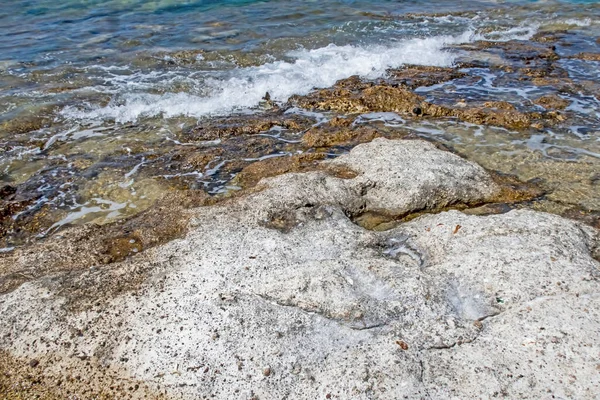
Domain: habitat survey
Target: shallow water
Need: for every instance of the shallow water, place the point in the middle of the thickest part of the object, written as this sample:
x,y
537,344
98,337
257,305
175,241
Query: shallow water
x,y
97,98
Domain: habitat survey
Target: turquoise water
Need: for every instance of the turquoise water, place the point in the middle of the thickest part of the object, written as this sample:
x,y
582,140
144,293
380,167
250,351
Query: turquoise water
x,y
50,32
96,96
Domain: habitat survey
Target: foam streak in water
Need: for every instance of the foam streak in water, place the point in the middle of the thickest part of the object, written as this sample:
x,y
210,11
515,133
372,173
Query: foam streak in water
x,y
245,87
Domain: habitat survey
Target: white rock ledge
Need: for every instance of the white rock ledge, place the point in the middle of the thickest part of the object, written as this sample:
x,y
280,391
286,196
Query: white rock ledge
x,y
447,306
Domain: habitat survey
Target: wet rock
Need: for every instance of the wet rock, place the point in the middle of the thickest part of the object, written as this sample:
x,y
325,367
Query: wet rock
x,y
588,217
253,173
330,306
253,147
354,96
588,56
245,125
543,72
549,37
182,57
340,122
565,183
560,84
198,56
498,117
558,80
78,248
327,136
499,105
9,210
23,125
514,50
552,102
198,161
7,191
28,120
417,76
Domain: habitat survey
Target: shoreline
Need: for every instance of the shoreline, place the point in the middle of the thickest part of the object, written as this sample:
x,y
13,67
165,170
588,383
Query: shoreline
x,y
379,238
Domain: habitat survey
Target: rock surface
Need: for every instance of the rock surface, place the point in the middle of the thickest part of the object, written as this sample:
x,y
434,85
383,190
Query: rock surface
x,y
354,96
279,294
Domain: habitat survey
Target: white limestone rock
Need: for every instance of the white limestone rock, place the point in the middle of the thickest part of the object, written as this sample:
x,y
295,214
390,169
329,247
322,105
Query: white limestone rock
x,y
445,306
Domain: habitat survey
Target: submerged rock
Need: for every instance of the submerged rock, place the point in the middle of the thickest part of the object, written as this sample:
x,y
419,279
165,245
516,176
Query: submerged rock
x,y
326,136
223,128
514,50
588,56
253,173
552,102
279,294
416,75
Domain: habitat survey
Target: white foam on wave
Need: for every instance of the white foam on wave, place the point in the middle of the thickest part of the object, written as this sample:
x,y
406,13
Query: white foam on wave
x,y
244,88
521,32
585,22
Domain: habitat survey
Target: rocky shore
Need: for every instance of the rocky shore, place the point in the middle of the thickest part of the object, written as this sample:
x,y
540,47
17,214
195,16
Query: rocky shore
x,y
429,234
282,292
519,94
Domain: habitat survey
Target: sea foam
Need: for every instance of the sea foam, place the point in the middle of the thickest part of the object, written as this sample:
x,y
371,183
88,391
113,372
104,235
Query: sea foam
x,y
243,88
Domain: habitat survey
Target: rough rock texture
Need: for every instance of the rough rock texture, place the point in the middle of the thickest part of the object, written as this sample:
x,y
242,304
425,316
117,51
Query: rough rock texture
x,y
355,96
417,75
253,173
280,295
247,125
92,245
427,179
552,102
514,50
588,56
326,136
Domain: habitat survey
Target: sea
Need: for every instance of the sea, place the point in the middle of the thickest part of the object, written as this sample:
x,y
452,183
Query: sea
x,y
96,96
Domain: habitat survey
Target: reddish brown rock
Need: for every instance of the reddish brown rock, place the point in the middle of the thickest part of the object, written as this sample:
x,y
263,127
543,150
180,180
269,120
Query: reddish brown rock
x,y
485,116
499,105
326,136
250,175
549,37
354,96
